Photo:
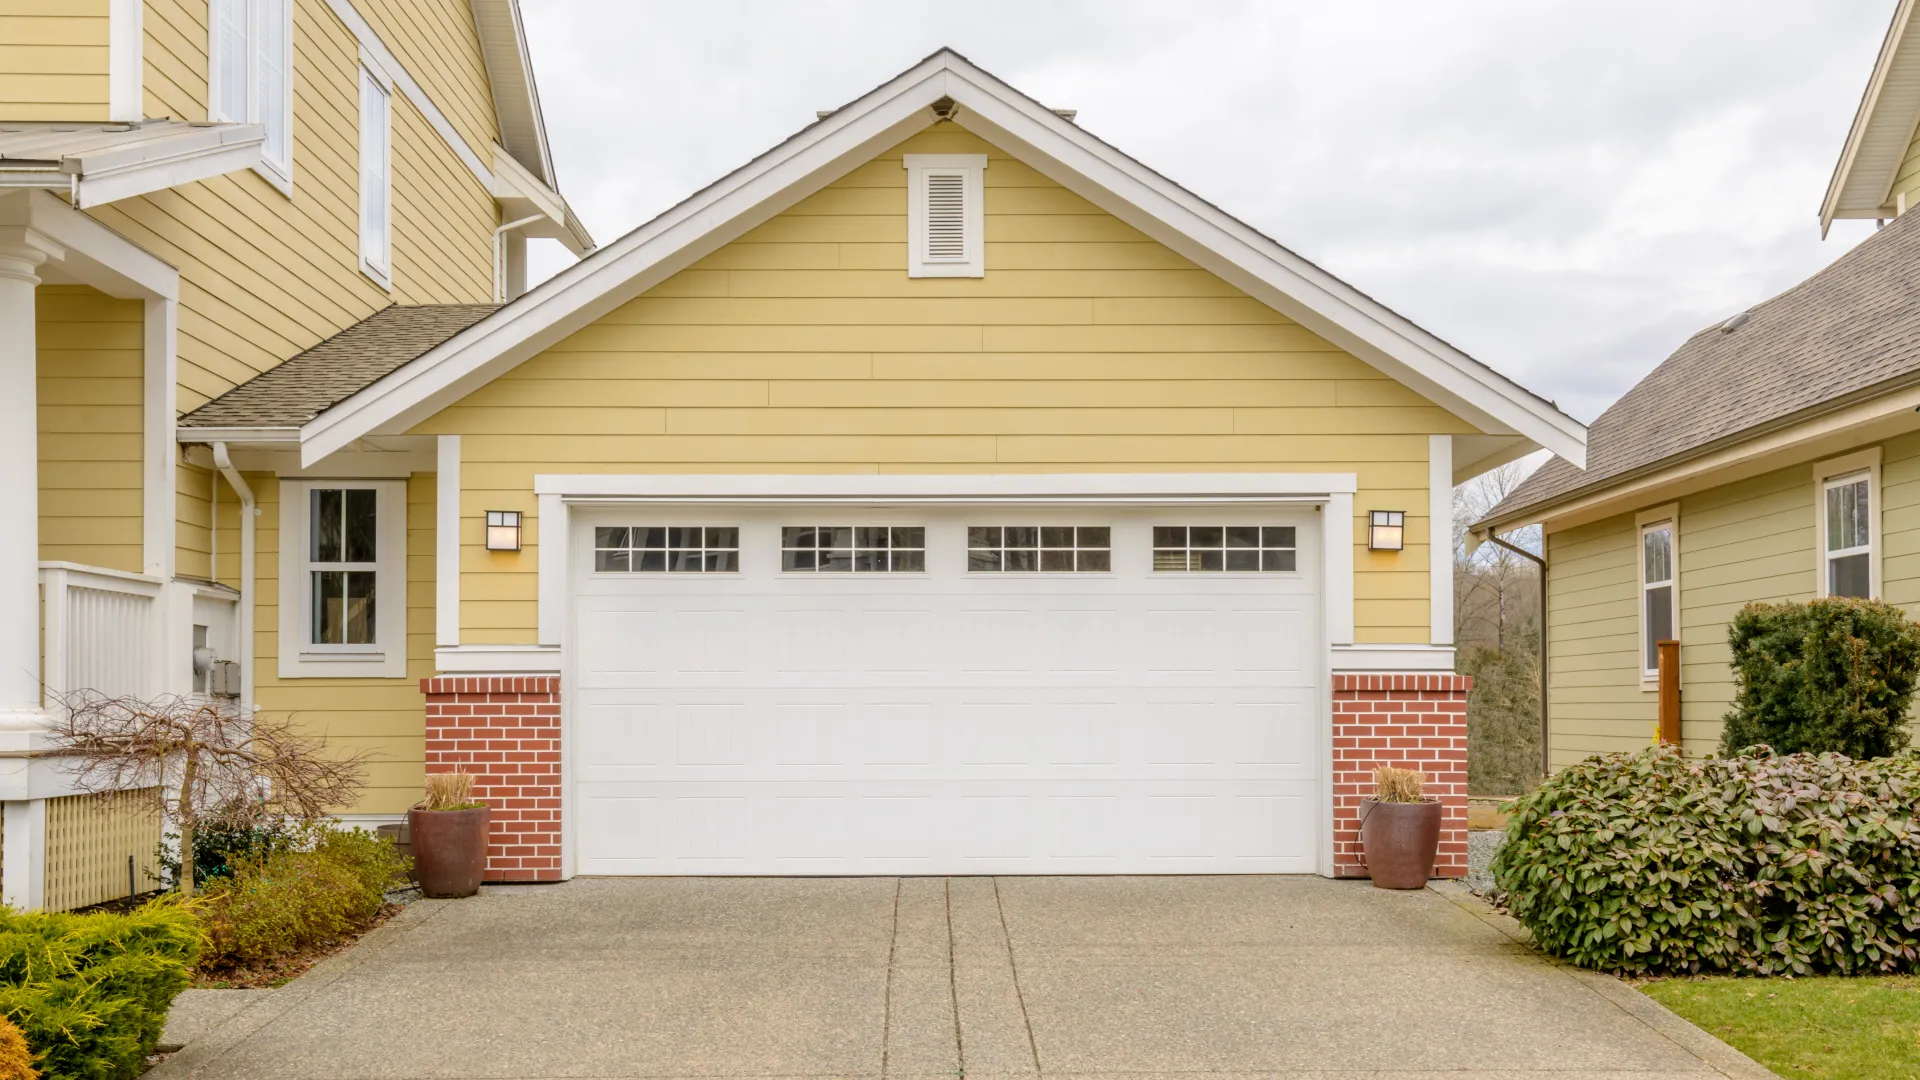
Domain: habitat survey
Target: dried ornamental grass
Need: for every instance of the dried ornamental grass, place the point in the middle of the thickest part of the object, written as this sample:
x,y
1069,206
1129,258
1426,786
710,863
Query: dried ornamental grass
x,y
450,791
16,1061
1398,785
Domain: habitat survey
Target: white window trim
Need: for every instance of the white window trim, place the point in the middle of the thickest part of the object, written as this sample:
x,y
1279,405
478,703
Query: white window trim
x,y
1860,462
1667,516
382,276
972,169
386,658
277,173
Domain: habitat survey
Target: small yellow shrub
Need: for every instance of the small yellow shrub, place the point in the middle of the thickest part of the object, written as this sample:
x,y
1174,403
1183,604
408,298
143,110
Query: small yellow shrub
x,y
16,1061
288,900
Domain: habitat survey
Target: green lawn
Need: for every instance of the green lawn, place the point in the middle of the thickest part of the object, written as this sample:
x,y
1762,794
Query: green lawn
x,y
1820,1028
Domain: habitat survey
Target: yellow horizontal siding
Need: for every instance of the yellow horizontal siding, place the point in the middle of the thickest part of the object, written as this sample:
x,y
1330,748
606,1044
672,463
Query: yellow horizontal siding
x,y
439,44
53,60
88,383
804,346
385,717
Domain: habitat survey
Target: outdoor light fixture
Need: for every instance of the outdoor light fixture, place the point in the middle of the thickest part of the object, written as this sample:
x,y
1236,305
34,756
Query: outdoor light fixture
x,y
1386,530
503,530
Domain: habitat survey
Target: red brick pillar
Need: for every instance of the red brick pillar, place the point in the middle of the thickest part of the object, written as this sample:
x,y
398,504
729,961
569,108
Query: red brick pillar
x,y
1410,722
505,730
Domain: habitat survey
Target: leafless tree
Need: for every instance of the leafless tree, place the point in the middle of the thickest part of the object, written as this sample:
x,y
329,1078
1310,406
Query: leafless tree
x,y
1495,591
213,764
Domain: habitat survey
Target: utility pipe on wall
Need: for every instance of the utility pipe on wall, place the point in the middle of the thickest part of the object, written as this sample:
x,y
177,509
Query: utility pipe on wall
x,y
247,512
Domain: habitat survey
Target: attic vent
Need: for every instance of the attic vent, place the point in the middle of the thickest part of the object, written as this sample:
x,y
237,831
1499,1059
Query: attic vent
x,y
1736,322
945,216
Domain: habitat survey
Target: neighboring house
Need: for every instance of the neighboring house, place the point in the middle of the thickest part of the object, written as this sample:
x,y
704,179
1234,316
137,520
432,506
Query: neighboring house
x,y
1774,456
191,193
943,491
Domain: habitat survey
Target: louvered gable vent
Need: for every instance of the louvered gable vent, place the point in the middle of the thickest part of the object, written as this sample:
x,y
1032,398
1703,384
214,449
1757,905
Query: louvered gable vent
x,y
945,216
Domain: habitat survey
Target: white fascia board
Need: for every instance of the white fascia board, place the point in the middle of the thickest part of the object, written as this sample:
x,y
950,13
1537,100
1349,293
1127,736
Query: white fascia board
x,y
972,487
516,97
1393,658
277,437
97,187
1882,129
522,192
880,119
94,254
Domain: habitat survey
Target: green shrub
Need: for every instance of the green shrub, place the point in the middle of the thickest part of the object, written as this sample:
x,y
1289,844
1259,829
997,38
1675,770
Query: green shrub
x,y
1830,676
1759,864
217,847
285,901
91,992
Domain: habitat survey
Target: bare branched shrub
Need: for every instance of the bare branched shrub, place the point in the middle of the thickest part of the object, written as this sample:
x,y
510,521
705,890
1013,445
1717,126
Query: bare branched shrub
x,y
213,764
449,791
1398,785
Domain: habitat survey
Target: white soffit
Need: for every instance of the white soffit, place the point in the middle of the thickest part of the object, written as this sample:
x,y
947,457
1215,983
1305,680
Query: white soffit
x,y
852,135
96,164
516,100
1883,128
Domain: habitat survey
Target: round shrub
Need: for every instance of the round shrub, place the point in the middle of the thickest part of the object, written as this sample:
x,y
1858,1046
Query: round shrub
x,y
1759,864
1828,675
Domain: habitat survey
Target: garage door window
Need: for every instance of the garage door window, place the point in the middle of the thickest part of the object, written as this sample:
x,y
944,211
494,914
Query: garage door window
x,y
1051,548
1178,548
853,549
666,549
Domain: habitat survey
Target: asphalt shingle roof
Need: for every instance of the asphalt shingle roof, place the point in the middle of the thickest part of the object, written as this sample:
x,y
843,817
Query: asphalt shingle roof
x,y
1841,333
312,382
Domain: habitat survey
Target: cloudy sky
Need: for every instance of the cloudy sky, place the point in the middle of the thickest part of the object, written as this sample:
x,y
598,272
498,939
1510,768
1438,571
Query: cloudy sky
x,y
1564,190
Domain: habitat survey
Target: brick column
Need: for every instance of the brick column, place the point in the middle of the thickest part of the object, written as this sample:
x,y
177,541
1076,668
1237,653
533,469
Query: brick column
x,y
505,730
1410,722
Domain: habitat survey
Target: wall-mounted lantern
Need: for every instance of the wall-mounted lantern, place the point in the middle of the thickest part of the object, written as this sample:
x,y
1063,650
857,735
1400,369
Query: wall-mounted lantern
x,y
503,530
1386,530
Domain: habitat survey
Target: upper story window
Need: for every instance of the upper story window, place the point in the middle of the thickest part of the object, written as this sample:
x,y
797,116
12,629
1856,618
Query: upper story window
x,y
250,76
946,220
343,578
376,177
1658,599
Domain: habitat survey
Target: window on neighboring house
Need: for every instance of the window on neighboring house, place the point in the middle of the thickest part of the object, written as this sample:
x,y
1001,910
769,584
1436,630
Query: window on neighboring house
x,y
376,179
1657,600
1849,535
250,75
345,558
945,215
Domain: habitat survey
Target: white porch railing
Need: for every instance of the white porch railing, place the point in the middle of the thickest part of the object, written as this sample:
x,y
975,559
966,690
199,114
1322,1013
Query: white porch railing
x,y
102,631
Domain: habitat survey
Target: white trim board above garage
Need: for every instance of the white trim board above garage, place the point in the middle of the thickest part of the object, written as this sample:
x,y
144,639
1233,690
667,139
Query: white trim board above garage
x,y
860,131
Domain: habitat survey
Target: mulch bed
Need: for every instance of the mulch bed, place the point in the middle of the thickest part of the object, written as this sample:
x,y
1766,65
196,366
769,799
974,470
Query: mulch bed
x,y
280,970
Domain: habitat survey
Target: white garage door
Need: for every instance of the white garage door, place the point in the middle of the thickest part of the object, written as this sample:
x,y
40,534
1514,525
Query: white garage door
x,y
910,691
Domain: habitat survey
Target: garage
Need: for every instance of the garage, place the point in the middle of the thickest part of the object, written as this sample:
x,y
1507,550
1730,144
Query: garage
x,y
944,689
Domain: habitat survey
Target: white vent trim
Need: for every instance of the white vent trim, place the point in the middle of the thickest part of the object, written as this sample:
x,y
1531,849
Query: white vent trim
x,y
946,219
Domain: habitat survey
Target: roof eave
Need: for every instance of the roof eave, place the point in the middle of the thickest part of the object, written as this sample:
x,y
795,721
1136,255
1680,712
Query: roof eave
x,y
1851,193
516,97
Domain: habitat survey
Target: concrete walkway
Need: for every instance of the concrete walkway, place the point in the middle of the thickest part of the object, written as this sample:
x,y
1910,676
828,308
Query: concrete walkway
x,y
933,977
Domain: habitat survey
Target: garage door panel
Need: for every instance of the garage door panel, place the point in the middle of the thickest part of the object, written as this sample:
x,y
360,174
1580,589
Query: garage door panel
x,y
945,722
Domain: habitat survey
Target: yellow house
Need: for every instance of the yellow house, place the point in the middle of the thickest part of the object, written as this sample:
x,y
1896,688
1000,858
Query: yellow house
x,y
191,193
1775,456
941,491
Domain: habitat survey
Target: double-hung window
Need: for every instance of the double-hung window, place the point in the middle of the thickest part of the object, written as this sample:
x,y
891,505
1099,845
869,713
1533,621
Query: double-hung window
x,y
250,76
376,177
343,578
1659,600
1847,492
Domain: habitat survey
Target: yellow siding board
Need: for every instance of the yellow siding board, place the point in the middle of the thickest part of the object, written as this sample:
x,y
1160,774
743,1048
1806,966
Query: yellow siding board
x,y
87,432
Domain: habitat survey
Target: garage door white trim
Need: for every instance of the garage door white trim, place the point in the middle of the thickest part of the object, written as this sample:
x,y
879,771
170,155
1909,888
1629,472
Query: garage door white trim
x,y
1330,493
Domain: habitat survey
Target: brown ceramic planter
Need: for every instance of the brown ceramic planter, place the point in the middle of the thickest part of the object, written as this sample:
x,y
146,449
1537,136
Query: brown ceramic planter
x,y
449,849
1400,841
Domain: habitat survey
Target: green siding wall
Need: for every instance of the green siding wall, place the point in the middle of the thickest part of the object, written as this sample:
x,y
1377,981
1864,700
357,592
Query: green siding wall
x,y
1594,701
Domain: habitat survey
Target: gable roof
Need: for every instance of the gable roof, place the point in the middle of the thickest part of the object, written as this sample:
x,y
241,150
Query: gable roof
x,y
290,394
1883,128
860,131
516,100
1850,331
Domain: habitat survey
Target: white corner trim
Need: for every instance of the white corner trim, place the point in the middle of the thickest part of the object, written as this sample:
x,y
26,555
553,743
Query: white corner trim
x,y
387,657
553,536
497,659
1440,539
446,544
856,134
1375,658
159,451
126,40
975,487
1337,582
391,67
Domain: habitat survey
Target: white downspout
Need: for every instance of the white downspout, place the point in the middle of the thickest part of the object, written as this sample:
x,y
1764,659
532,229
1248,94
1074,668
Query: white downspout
x,y
247,512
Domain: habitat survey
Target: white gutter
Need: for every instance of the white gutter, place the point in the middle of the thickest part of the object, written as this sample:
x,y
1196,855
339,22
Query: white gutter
x,y
247,514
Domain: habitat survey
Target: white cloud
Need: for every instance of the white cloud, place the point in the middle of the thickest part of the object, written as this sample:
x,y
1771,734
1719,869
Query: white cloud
x,y
1565,190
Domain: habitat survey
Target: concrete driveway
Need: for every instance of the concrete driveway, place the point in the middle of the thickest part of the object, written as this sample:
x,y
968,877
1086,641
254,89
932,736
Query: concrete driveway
x,y
948,977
